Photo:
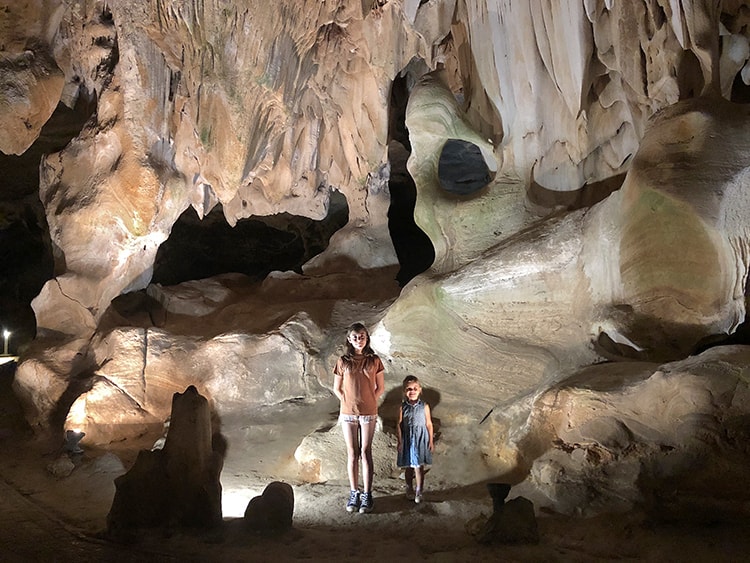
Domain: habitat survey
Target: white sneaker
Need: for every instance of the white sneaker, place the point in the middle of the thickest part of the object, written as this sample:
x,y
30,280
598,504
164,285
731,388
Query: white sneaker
x,y
418,497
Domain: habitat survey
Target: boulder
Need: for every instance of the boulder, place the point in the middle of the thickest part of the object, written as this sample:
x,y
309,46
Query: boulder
x,y
272,511
321,456
618,439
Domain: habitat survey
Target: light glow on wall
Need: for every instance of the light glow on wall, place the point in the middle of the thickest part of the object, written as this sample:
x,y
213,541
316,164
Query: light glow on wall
x,y
380,339
234,501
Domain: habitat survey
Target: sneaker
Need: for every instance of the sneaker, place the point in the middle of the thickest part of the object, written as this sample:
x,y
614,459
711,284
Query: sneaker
x,y
418,496
366,503
353,504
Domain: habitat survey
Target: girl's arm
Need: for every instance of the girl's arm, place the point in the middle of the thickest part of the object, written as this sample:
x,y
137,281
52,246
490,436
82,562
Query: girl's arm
x,y
428,423
338,387
379,384
398,426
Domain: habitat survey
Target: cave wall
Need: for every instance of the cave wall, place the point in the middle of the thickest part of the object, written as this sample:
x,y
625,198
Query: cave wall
x,y
272,108
268,109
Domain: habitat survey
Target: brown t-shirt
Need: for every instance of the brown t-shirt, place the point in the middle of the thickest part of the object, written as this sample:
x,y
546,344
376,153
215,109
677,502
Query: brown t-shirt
x,y
358,384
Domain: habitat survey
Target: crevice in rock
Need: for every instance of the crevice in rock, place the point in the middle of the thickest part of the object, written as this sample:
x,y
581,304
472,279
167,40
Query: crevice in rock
x,y
587,196
741,335
144,379
413,247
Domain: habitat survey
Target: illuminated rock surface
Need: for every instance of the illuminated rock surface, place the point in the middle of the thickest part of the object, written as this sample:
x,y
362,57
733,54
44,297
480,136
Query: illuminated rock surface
x,y
611,235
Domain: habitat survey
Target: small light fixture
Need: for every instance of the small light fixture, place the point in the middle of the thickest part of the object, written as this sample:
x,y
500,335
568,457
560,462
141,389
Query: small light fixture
x,y
72,437
6,337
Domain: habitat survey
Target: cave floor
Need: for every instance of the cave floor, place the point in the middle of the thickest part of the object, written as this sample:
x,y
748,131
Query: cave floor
x,y
46,518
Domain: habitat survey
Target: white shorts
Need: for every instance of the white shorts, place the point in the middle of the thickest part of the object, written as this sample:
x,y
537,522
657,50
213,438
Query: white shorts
x,y
358,418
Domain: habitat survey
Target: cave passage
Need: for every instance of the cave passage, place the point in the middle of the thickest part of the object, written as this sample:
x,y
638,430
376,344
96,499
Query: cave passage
x,y
202,248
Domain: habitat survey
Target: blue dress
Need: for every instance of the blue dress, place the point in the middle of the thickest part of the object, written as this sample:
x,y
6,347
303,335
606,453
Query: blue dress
x,y
415,438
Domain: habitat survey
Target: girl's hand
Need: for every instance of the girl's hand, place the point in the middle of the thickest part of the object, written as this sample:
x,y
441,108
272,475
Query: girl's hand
x,y
432,446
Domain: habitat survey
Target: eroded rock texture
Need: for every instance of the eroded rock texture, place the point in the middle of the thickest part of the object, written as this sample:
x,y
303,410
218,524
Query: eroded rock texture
x,y
676,445
176,487
606,220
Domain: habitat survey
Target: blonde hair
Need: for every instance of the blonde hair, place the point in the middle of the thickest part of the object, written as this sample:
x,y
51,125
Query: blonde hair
x,y
411,379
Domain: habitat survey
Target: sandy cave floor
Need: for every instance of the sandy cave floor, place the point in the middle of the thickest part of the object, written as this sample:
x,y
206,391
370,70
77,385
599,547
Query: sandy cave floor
x,y
44,518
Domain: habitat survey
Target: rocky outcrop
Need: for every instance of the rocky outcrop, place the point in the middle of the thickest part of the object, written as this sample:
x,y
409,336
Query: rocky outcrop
x,y
142,368
434,119
604,282
176,487
31,86
669,438
193,140
180,90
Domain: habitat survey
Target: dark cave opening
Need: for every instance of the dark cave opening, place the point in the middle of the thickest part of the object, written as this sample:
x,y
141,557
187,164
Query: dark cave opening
x,y
202,248
740,90
413,247
25,245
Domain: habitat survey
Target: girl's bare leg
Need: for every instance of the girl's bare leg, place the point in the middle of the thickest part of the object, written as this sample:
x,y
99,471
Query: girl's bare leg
x,y
409,478
368,432
419,474
352,453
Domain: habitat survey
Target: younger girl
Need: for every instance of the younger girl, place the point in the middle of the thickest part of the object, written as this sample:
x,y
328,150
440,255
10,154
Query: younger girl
x,y
414,430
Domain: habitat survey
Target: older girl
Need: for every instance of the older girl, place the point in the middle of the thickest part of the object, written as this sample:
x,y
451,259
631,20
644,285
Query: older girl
x,y
359,383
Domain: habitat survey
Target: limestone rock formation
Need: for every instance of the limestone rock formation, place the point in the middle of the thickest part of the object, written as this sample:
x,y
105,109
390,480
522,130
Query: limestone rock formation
x,y
240,345
178,486
511,523
606,281
433,119
609,133
671,438
31,88
321,457
178,146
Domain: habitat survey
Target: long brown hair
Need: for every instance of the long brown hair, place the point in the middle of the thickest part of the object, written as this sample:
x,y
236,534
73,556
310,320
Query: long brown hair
x,y
350,351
